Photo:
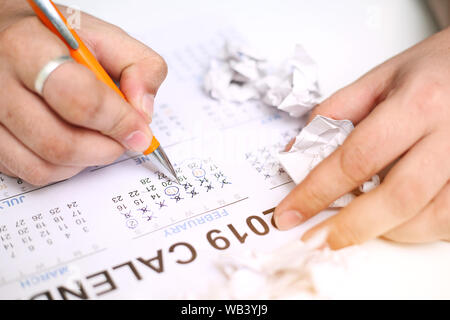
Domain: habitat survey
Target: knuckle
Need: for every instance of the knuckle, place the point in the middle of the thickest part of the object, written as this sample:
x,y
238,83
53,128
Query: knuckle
x,y
155,62
86,106
427,92
59,149
10,38
122,122
161,65
404,195
348,234
355,163
37,175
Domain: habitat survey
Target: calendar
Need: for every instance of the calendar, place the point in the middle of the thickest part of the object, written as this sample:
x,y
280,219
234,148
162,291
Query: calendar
x,y
125,230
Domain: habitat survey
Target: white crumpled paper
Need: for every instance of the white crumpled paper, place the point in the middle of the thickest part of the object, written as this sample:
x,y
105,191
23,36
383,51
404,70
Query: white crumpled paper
x,y
294,88
242,74
230,77
297,270
316,142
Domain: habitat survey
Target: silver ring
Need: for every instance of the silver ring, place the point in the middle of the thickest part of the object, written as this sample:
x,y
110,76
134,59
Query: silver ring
x,y
47,71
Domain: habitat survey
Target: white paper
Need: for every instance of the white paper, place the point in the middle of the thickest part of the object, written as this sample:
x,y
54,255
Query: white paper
x,y
320,138
241,74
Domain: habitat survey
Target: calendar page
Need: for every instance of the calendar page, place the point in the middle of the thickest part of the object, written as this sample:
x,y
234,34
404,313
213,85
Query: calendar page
x,y
127,231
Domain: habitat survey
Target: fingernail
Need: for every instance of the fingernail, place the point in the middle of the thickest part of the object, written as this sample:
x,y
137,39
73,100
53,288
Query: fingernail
x,y
288,220
138,141
148,102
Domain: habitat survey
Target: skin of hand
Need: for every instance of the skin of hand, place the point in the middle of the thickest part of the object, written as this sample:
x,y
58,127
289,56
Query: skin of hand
x,y
401,110
79,121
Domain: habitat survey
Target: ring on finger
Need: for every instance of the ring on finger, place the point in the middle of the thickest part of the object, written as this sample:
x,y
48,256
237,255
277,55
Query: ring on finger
x,y
47,70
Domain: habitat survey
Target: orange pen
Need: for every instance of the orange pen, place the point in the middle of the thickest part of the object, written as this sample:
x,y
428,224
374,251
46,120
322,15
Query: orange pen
x,y
52,18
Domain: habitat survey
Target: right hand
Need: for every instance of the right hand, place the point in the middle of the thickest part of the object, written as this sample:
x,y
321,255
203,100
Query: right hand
x,y
79,121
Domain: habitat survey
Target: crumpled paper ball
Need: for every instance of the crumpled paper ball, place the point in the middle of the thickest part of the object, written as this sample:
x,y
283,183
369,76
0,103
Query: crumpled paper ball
x,y
321,137
241,74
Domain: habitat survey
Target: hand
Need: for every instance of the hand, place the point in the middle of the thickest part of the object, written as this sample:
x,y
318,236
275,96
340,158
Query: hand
x,y
79,121
402,112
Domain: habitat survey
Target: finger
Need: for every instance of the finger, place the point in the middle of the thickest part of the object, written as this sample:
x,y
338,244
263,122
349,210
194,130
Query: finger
x,y
5,170
432,224
72,91
289,145
355,101
406,190
47,135
89,103
391,129
140,69
19,161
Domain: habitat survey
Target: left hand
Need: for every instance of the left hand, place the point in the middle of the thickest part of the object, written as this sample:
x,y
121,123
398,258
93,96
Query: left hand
x,y
77,121
402,112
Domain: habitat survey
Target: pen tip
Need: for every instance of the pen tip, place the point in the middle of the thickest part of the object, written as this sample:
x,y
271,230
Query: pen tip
x,y
173,175
162,159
